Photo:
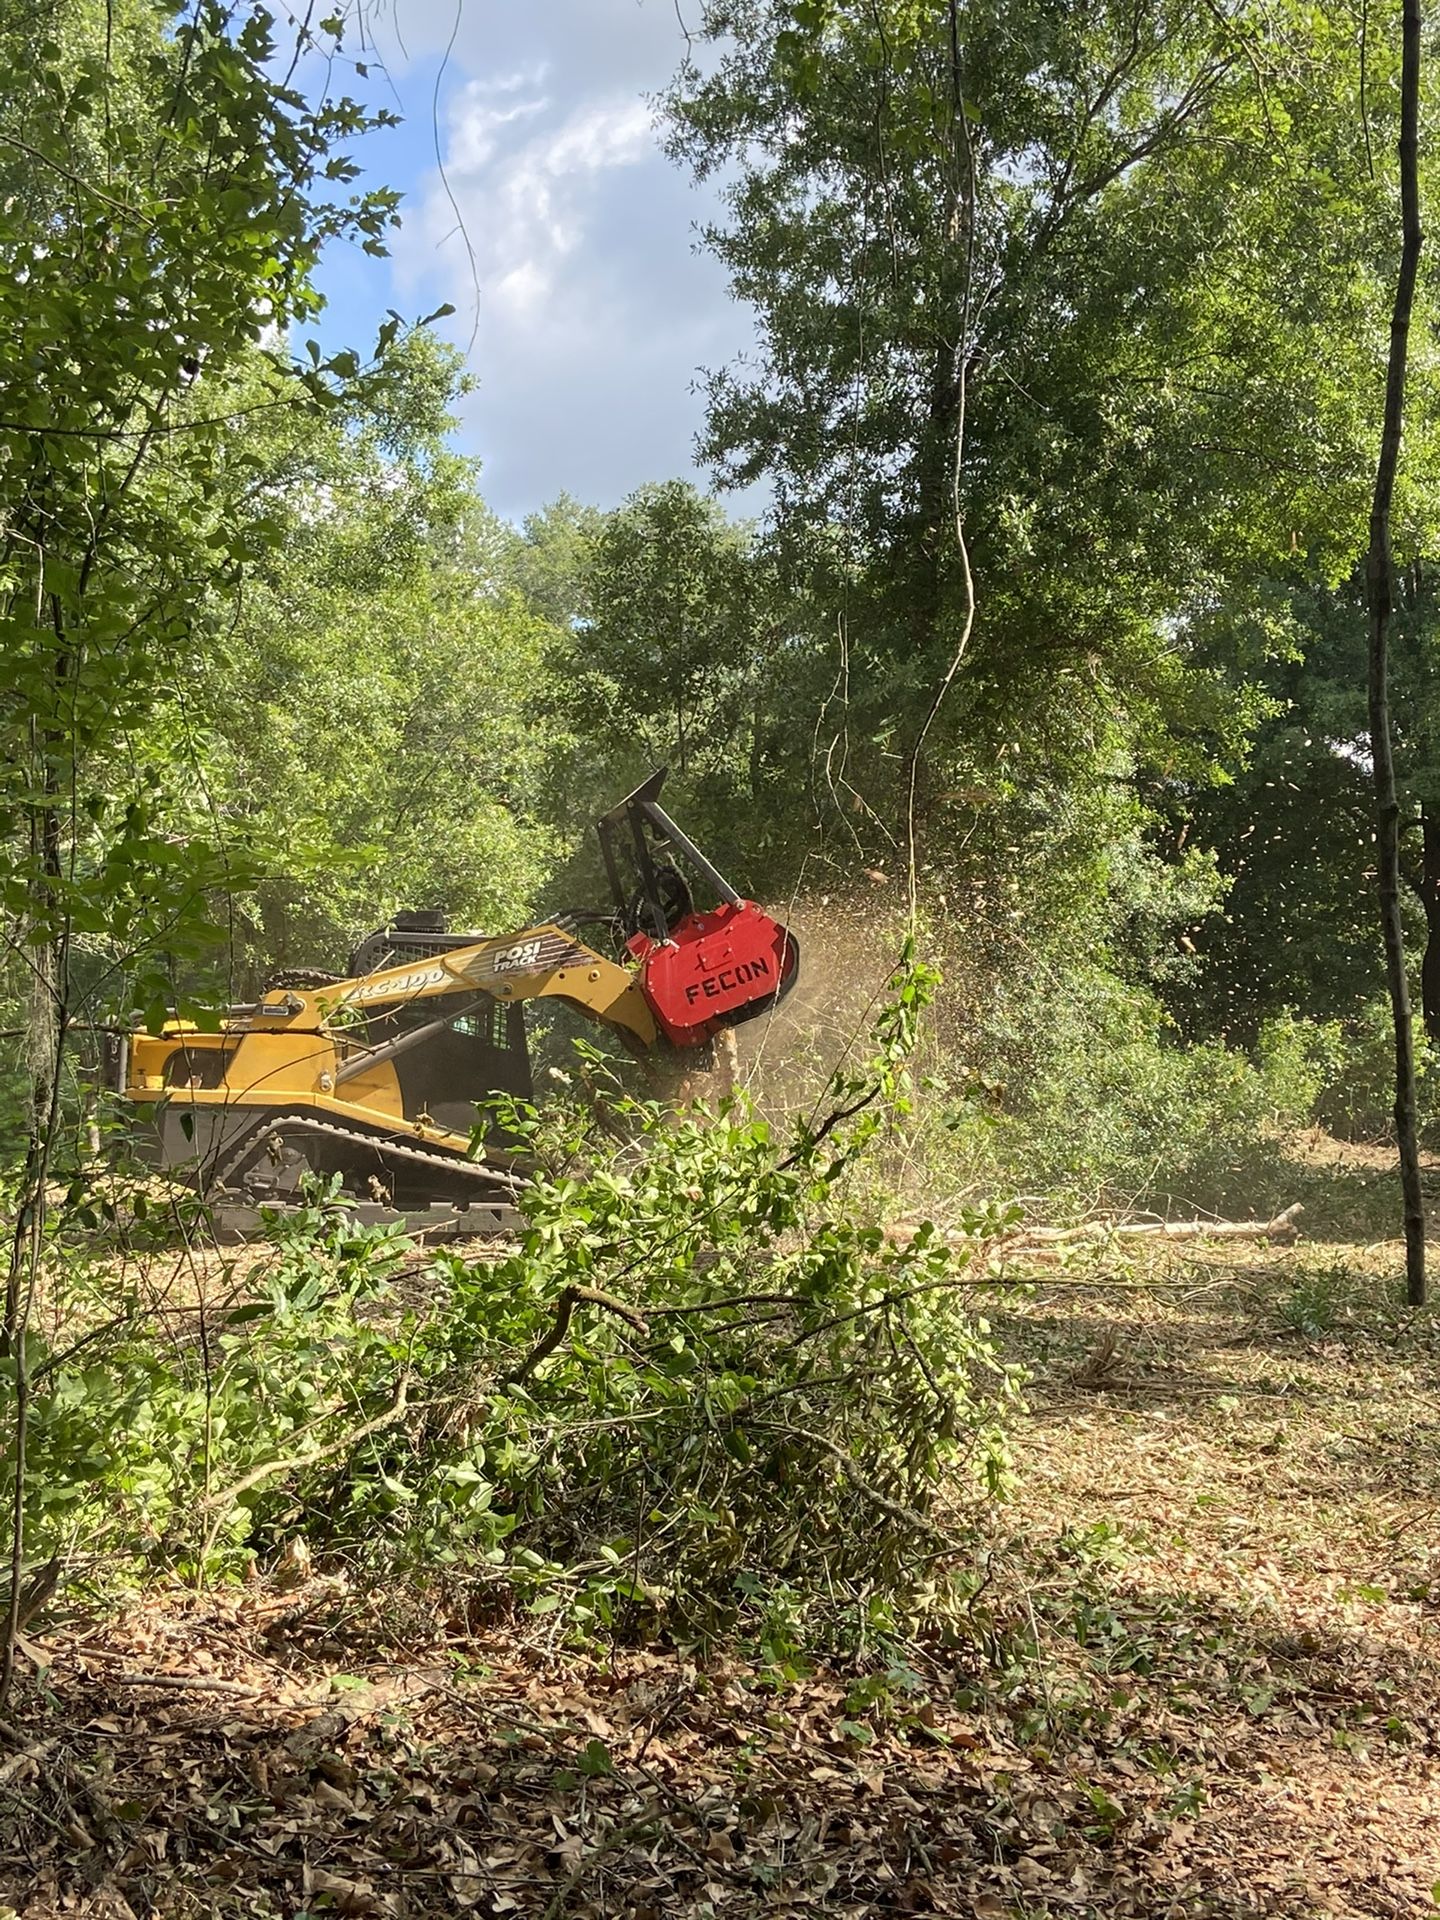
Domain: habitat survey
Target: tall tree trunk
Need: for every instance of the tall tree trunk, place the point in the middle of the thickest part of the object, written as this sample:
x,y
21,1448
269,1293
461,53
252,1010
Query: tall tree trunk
x,y
1427,890
49,956
934,530
1380,584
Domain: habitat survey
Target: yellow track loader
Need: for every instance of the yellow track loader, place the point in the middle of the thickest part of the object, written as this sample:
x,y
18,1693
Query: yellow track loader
x,y
375,1075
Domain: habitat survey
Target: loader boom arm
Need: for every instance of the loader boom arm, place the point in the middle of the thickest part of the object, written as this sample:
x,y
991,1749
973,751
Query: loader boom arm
x,y
540,962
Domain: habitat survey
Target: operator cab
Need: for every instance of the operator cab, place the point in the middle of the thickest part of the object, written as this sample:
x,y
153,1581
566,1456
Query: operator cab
x,y
476,1055
473,1057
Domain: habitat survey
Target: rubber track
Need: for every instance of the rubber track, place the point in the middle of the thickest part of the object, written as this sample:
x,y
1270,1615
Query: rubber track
x,y
382,1143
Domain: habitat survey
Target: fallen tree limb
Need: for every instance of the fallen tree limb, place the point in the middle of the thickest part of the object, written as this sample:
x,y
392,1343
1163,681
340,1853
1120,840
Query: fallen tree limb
x,y
191,1682
570,1298
1281,1227
291,1463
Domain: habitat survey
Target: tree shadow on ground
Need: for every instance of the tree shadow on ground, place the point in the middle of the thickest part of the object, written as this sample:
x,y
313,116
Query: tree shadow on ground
x,y
1349,1190
1257,1751
1064,1337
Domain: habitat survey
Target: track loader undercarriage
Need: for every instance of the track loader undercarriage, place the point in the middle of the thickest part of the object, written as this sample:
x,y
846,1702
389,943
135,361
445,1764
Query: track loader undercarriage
x,y
375,1075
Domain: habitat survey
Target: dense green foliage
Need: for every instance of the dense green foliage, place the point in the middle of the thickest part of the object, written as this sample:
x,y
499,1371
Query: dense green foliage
x,y
378,678
165,203
1051,282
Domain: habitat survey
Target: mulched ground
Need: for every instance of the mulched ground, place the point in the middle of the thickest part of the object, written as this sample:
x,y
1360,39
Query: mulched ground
x,y
1199,1678
643,1788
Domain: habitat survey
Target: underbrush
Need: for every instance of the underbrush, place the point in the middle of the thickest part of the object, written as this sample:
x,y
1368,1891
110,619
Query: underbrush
x,y
1090,1098
711,1392
1056,1065
702,1395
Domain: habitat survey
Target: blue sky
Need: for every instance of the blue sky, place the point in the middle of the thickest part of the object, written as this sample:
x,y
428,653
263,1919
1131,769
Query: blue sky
x,y
586,312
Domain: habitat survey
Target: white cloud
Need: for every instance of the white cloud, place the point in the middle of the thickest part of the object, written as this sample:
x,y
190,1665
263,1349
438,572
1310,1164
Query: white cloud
x,y
565,240
521,289
524,205
476,133
613,135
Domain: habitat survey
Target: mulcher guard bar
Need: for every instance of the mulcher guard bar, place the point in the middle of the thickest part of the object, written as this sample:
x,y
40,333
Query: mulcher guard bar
x,y
699,971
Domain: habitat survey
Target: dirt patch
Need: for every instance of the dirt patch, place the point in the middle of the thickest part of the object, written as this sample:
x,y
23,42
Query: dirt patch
x,y
1225,1541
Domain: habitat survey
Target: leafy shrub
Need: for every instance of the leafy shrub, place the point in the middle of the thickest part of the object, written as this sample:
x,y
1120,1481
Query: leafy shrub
x,y
1357,1099
1300,1060
1340,1074
137,1426
790,1413
1313,1302
1084,1092
1077,1086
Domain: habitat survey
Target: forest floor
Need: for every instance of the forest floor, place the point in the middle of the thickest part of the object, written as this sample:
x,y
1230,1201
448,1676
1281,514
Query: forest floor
x,y
1200,1676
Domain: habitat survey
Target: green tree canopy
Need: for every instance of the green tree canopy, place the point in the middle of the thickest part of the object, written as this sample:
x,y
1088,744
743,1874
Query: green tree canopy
x,y
1102,285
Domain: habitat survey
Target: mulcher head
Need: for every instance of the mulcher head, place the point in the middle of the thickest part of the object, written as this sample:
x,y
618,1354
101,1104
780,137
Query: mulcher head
x,y
700,971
